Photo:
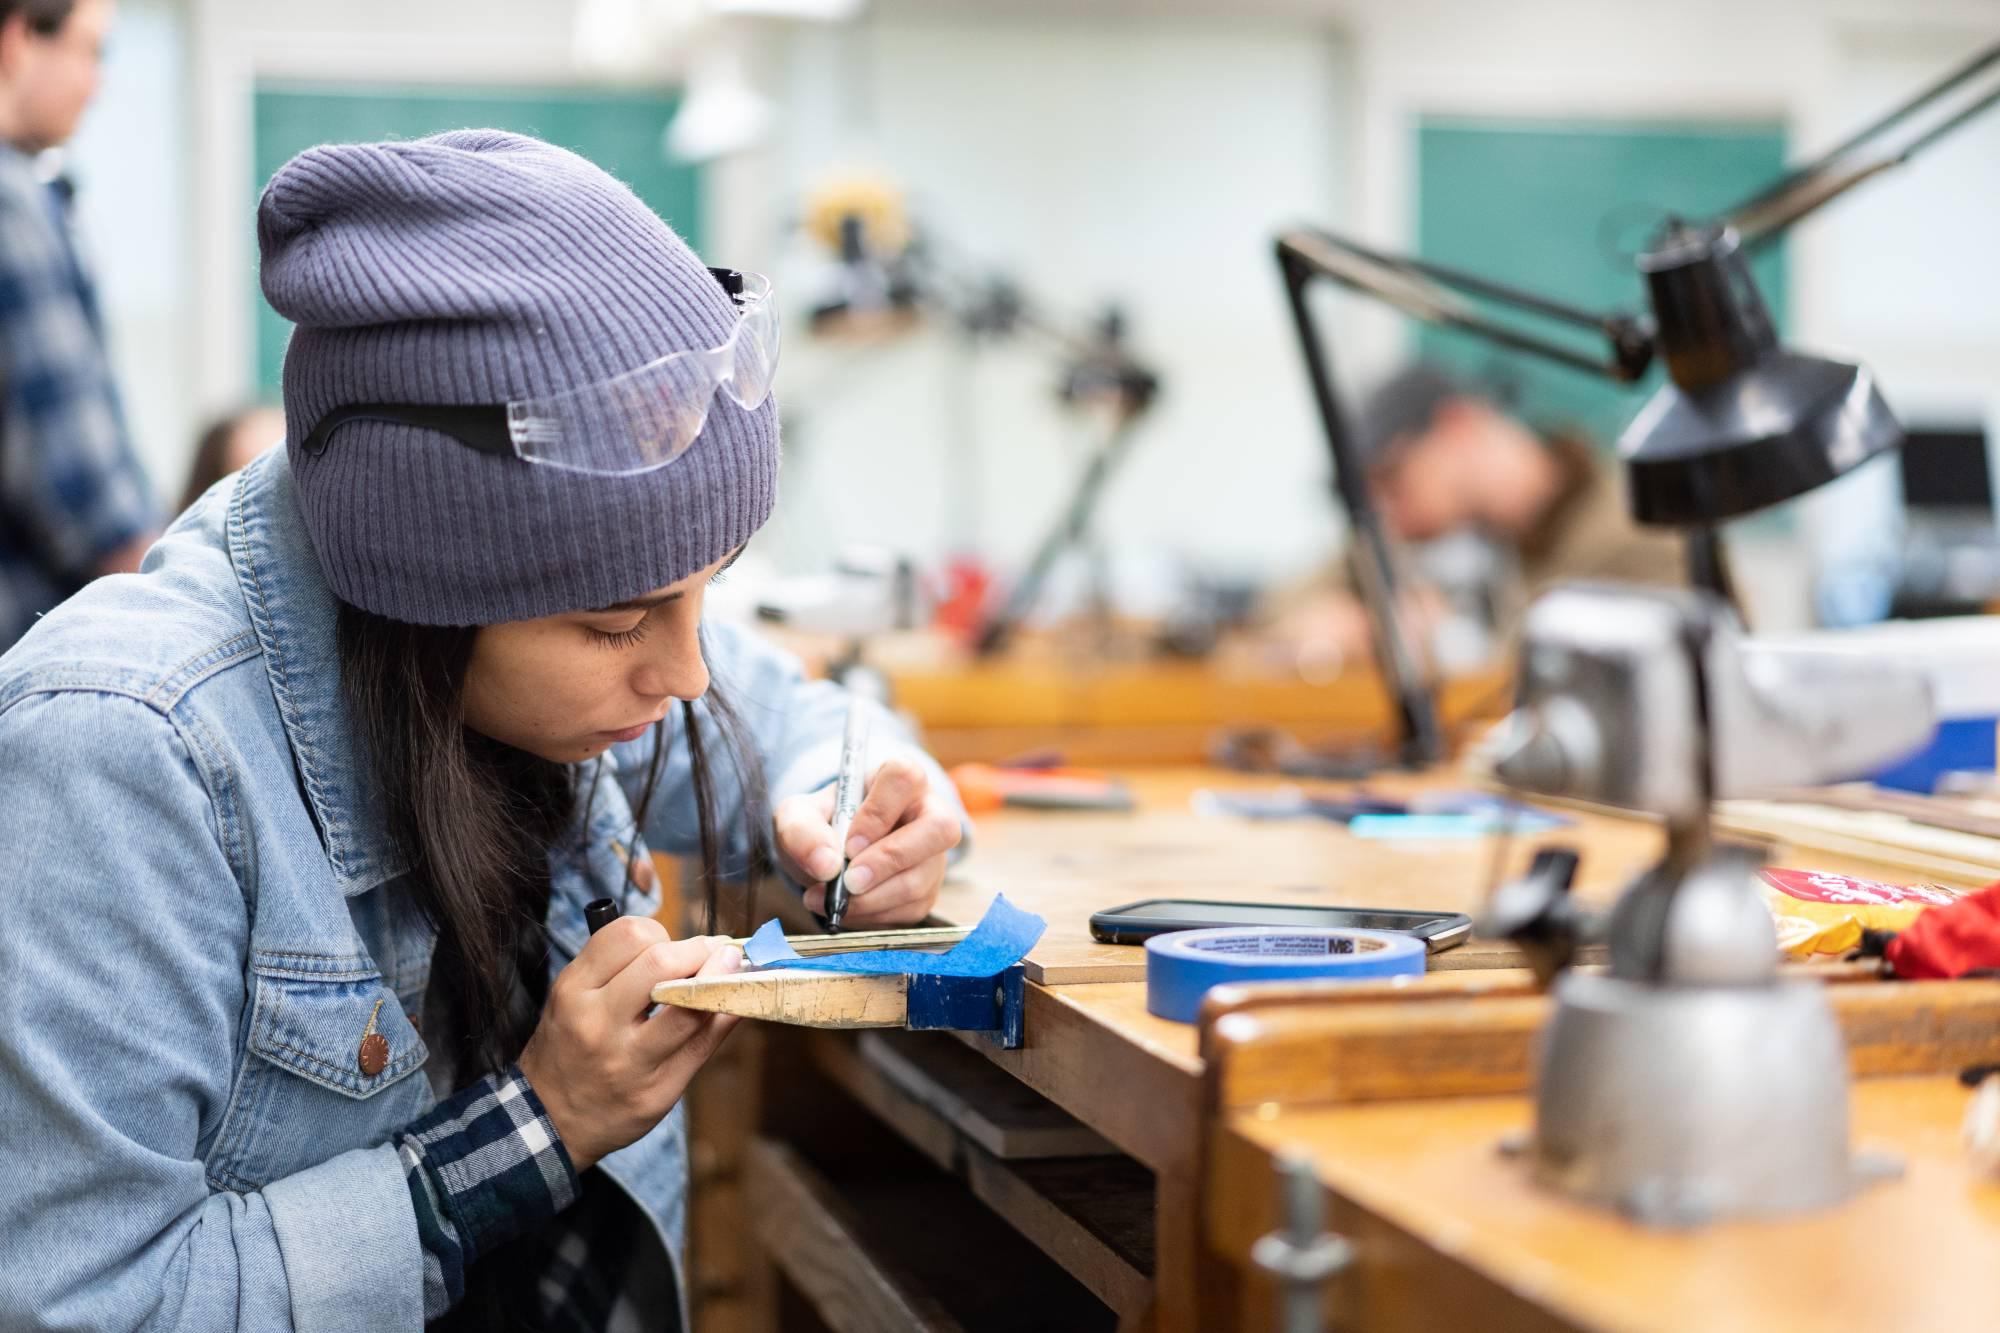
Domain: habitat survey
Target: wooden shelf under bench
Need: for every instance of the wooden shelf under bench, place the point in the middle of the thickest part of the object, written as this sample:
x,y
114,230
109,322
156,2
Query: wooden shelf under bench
x,y
1053,1181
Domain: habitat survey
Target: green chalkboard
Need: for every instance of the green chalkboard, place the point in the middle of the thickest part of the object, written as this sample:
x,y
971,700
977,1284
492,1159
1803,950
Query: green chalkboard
x,y
620,130
1560,207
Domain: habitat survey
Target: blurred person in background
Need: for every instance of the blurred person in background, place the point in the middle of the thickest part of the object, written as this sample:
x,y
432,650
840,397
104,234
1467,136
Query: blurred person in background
x,y
230,444
74,502
1445,459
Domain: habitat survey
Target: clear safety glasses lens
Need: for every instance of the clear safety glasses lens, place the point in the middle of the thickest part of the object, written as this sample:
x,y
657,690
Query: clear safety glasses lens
x,y
646,418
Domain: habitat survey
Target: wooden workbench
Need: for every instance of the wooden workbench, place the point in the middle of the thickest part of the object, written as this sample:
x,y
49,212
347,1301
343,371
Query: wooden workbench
x,y
1046,694
1154,712
1138,1083
1443,1220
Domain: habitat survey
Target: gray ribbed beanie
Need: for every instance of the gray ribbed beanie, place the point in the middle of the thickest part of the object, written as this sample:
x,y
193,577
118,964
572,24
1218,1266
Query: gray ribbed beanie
x,y
478,267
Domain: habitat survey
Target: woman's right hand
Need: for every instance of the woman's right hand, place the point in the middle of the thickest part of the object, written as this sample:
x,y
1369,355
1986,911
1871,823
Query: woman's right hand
x,y
606,1073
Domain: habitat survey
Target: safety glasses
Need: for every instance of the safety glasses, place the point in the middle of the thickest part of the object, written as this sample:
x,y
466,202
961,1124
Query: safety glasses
x,y
635,422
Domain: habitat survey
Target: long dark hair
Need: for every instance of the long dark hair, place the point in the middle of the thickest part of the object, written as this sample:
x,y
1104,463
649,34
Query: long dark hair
x,y
477,821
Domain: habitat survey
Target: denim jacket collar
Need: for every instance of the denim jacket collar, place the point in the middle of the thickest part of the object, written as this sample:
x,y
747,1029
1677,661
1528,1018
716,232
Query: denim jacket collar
x,y
293,613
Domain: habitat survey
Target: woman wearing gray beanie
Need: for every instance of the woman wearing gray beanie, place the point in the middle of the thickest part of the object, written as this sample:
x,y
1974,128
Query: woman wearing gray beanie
x,y
303,1026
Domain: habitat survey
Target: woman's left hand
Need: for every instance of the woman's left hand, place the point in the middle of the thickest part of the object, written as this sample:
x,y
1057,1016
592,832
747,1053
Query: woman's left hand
x,y
897,847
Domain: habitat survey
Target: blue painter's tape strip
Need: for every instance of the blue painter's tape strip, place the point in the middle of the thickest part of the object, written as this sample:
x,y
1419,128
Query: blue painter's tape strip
x,y
1001,939
1182,966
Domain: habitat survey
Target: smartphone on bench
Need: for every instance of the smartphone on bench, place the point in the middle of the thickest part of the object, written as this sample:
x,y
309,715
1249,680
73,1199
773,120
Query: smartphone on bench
x,y
1135,923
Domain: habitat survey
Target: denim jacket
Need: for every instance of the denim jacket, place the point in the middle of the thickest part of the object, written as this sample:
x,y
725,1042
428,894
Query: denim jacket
x,y
200,915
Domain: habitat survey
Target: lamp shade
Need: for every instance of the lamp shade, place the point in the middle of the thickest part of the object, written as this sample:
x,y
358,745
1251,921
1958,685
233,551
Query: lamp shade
x,y
1742,423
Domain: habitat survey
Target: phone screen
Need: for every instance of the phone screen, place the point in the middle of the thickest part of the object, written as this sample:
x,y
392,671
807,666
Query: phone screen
x,y
1137,920
1261,914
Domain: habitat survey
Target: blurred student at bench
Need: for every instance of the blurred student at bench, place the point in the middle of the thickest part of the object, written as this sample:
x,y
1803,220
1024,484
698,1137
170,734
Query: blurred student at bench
x,y
1446,460
230,443
74,503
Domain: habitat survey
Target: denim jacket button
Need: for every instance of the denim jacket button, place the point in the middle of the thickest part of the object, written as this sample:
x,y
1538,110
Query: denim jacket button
x,y
374,1054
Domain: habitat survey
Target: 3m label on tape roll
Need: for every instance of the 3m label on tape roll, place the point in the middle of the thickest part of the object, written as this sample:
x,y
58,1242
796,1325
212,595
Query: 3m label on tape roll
x,y
1181,967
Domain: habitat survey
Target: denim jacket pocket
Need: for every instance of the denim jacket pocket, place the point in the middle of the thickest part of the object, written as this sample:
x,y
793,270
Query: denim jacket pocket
x,y
303,1095
313,1014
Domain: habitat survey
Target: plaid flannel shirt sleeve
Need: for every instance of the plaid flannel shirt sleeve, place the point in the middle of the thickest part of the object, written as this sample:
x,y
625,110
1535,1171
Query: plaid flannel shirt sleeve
x,y
483,1167
70,484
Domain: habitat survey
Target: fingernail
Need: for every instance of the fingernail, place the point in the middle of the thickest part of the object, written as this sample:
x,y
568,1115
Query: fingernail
x,y
856,845
859,878
826,863
732,959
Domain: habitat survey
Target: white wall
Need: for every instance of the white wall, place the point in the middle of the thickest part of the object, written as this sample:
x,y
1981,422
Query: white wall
x,y
1105,149
130,159
1092,161
1899,276
1905,276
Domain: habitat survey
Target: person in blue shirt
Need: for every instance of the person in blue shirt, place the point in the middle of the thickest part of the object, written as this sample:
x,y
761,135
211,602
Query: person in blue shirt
x,y
74,503
301,1025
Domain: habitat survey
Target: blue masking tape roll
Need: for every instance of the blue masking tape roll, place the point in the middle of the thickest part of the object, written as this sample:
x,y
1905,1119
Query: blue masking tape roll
x,y
1182,966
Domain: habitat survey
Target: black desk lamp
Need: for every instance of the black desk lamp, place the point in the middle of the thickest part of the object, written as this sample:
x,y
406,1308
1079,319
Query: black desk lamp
x,y
1742,423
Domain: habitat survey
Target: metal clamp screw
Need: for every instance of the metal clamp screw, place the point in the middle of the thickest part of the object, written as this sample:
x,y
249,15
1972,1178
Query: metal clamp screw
x,y
1303,1256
